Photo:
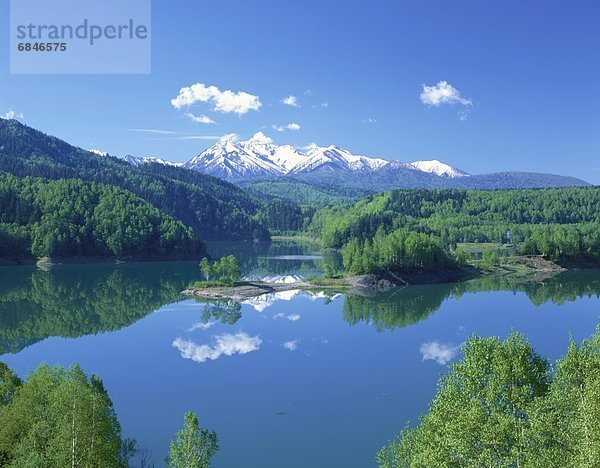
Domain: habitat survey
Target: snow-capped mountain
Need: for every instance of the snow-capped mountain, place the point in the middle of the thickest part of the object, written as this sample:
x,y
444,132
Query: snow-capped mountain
x,y
334,159
438,168
231,159
138,160
260,158
285,157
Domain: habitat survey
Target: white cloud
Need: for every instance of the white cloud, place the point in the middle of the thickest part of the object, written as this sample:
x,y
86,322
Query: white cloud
x,y
370,120
290,101
203,119
442,93
98,152
322,105
200,137
201,326
438,352
226,344
291,317
223,101
291,126
291,345
11,114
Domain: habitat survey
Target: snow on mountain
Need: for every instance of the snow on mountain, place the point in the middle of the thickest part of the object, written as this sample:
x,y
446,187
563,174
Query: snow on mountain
x,y
98,152
232,159
285,157
332,159
259,157
438,168
137,160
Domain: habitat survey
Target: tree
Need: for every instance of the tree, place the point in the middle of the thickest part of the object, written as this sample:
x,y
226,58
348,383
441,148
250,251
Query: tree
x,y
566,420
59,417
9,383
193,446
227,270
481,415
205,269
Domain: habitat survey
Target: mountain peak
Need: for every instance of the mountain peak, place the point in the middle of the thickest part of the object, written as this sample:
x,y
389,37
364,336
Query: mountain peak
x,y
229,138
260,157
439,168
260,137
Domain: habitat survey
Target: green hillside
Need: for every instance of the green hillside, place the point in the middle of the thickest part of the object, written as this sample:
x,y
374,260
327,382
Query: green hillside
x,y
214,209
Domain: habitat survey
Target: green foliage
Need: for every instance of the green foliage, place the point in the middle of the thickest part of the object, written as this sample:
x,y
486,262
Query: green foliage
x,y
502,406
563,224
490,258
226,271
283,217
59,417
398,251
72,218
304,193
566,430
9,383
193,446
212,208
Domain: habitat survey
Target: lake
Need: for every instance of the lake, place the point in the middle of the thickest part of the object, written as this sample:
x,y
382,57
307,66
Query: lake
x,y
293,379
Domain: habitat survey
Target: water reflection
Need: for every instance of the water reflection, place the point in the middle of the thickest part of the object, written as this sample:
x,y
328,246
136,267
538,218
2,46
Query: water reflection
x,y
438,352
226,344
408,305
279,257
76,300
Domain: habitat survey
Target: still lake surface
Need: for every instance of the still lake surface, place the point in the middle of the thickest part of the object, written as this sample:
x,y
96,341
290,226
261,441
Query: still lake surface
x,y
293,379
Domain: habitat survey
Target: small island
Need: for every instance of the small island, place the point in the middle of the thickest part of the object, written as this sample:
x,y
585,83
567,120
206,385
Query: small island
x,y
398,259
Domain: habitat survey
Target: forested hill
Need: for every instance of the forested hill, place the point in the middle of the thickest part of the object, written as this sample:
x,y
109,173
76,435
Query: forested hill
x,y
214,209
563,223
66,218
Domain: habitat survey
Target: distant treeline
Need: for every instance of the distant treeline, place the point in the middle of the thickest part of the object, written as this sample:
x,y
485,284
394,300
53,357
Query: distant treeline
x,y
563,224
73,218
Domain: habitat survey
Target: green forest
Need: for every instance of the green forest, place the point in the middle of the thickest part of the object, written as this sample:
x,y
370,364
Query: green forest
x,y
65,218
560,224
212,208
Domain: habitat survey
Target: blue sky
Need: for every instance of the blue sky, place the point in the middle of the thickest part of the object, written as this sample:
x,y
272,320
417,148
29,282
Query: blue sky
x,y
528,74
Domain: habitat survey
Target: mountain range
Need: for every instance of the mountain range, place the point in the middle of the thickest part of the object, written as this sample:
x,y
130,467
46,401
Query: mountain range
x,y
259,159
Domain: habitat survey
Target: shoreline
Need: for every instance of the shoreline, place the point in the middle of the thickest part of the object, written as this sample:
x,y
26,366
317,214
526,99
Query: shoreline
x,y
48,262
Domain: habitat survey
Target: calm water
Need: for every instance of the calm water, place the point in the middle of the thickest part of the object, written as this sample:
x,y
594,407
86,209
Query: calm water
x,y
288,380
